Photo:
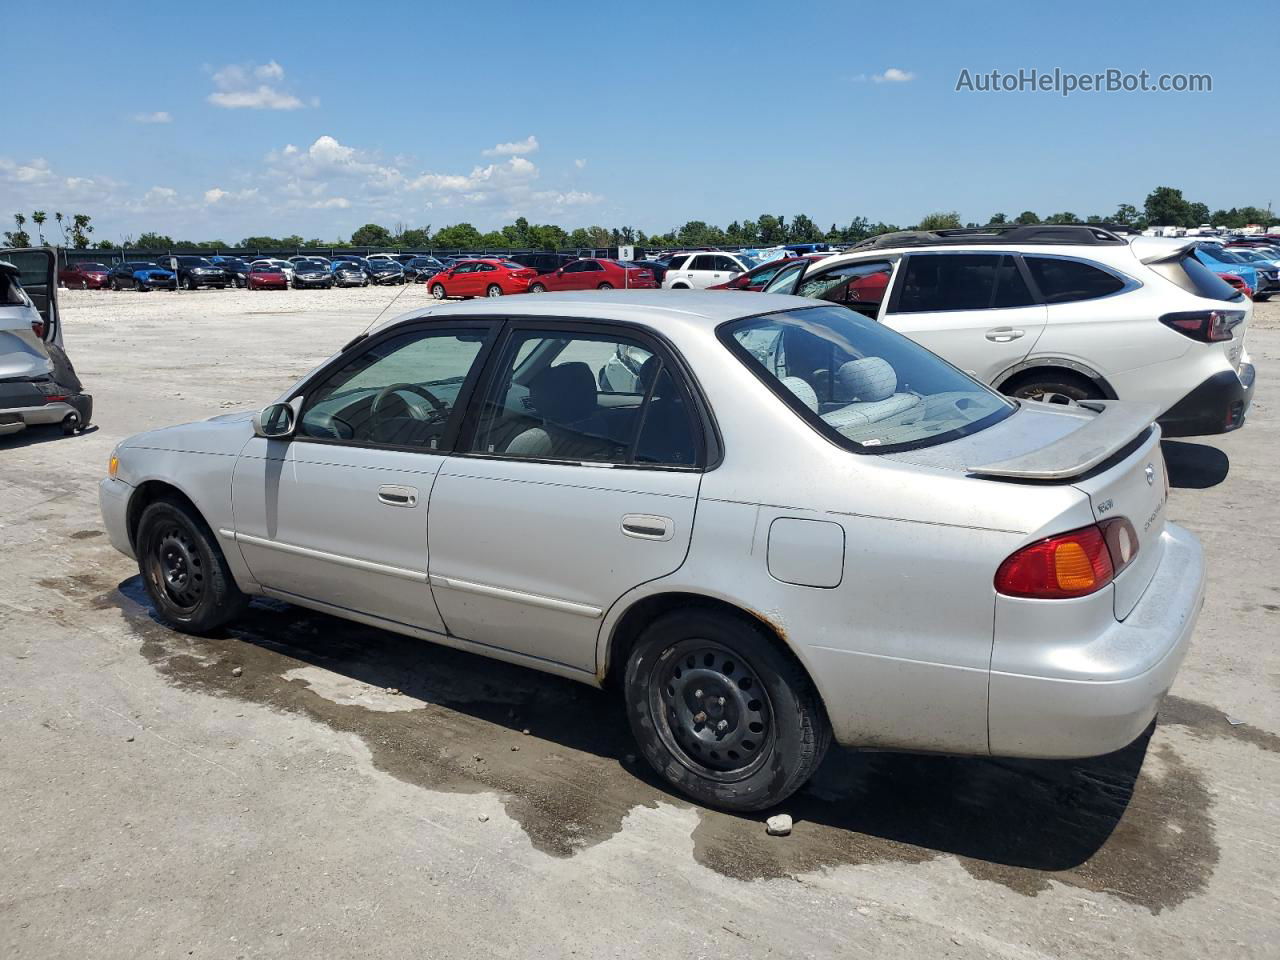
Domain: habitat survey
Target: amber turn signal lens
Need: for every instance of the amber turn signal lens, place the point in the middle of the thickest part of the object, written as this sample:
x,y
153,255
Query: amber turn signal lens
x,y
1072,569
113,465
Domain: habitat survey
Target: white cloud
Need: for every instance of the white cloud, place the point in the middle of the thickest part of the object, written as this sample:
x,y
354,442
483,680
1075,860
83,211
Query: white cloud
x,y
241,87
893,75
333,203
33,171
160,116
217,195
528,145
158,195
580,163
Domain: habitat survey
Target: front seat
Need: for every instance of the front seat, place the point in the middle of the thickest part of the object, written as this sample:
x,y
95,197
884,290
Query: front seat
x,y
564,397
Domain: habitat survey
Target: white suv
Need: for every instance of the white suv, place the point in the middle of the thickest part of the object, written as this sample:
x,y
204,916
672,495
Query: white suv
x,y
1057,313
697,271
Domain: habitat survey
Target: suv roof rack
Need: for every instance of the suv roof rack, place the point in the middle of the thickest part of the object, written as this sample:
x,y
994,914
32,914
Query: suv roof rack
x,y
1078,234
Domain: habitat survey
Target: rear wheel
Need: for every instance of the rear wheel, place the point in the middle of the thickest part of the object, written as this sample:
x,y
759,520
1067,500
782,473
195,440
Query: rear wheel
x,y
721,712
1052,386
605,286
437,291
493,290
184,570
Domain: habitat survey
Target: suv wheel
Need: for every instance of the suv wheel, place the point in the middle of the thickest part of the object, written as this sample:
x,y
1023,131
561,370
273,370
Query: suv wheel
x,y
1052,386
721,713
183,569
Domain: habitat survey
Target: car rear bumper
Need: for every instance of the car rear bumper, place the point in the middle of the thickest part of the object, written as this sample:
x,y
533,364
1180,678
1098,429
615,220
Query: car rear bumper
x,y
113,500
16,418
1218,405
1107,689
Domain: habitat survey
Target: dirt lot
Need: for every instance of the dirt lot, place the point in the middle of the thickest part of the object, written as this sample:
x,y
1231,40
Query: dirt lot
x,y
158,805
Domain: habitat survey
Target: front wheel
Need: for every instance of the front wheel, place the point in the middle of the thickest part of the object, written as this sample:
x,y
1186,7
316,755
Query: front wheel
x,y
184,571
437,291
493,290
722,713
1261,298
537,288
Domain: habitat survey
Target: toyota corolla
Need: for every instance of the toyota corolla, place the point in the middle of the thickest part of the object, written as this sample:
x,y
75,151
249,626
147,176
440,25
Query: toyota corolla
x,y
784,524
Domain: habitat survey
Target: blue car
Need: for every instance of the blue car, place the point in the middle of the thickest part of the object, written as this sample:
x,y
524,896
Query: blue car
x,y
141,275
1219,259
1265,261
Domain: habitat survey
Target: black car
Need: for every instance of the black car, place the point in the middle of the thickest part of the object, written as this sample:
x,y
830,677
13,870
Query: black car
x,y
659,268
385,271
237,270
419,269
196,272
311,273
542,262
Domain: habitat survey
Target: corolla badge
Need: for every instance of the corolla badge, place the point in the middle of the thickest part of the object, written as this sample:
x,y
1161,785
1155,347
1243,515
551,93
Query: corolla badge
x,y
1151,474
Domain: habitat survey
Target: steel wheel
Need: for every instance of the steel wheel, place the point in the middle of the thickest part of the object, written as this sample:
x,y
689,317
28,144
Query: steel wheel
x,y
174,566
712,710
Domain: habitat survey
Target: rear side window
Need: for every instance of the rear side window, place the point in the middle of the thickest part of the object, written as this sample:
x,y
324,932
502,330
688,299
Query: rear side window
x,y
961,281
677,262
1066,281
1194,277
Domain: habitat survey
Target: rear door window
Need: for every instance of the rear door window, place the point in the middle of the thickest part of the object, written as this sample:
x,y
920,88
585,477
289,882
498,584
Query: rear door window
x,y
1067,281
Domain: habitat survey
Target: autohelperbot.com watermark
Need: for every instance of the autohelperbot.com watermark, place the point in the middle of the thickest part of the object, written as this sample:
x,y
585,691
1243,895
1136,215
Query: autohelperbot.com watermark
x,y
1065,82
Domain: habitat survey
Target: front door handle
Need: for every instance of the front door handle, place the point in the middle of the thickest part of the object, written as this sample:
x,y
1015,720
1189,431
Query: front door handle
x,y
645,526
1004,334
394,495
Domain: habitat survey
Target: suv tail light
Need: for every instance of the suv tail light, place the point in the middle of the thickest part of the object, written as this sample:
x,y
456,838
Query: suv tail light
x,y
1207,326
37,327
1073,564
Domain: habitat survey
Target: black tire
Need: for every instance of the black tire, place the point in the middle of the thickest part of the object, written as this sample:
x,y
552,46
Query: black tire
x,y
115,285
679,286
191,284
184,571
493,290
537,288
1262,299
605,286
438,291
730,671
1052,386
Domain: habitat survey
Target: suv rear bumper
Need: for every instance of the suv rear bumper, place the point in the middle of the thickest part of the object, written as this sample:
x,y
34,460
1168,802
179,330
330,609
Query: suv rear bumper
x,y
1112,684
1218,405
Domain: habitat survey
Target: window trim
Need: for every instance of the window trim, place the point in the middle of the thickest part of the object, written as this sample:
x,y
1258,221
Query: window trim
x,y
453,428
708,452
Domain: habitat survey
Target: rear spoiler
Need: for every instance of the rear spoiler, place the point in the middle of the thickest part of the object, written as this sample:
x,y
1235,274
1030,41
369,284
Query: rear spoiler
x,y
1151,250
1115,427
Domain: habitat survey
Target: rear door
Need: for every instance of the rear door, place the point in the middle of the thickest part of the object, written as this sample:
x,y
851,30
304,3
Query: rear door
x,y
975,310
565,494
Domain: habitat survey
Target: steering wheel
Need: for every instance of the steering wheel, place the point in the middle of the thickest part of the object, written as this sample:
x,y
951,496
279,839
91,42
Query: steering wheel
x,y
439,408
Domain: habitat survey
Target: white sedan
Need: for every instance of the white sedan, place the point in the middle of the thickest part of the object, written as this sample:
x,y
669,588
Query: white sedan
x,y
766,521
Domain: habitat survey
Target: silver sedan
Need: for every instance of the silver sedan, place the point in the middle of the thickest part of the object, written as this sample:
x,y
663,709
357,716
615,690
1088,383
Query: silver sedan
x,y
767,522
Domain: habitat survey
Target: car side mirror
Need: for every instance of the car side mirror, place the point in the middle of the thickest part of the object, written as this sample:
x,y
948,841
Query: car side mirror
x,y
277,421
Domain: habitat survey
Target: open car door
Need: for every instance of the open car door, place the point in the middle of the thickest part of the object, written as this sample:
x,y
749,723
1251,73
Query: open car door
x,y
38,274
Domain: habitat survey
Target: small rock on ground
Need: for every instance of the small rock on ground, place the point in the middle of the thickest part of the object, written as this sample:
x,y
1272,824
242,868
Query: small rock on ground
x,y
778,825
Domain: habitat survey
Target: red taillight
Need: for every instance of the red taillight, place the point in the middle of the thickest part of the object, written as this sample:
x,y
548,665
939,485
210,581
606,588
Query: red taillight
x,y
1071,564
37,327
1207,326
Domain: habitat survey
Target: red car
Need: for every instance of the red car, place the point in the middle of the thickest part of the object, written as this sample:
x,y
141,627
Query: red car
x,y
264,277
1238,283
482,278
83,276
755,279
593,274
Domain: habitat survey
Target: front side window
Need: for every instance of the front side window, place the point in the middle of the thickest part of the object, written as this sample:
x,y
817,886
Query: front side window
x,y
961,281
784,281
862,385
576,267
1066,281
586,397
400,392
860,285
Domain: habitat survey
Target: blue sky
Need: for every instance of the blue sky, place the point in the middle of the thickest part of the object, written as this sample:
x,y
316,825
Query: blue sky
x,y
226,121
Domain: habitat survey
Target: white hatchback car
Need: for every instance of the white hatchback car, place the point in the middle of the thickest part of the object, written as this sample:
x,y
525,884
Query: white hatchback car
x,y
697,271
1057,313
766,520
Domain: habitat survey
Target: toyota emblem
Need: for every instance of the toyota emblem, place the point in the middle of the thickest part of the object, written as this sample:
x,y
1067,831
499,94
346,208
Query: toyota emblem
x,y
1151,474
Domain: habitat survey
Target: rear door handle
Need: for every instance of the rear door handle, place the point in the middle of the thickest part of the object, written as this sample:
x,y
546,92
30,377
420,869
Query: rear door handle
x,y
395,495
1004,334
645,526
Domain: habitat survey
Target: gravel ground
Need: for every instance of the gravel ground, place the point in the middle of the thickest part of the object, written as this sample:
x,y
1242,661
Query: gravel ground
x,y
304,786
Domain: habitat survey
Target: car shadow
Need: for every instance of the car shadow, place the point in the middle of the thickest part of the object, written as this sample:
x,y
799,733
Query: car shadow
x,y
1194,466
1042,815
42,434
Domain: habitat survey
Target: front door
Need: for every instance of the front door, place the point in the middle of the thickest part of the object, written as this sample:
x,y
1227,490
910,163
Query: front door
x,y
565,494
338,513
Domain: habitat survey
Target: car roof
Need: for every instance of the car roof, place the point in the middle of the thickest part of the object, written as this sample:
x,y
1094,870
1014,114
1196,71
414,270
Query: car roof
x,y
660,310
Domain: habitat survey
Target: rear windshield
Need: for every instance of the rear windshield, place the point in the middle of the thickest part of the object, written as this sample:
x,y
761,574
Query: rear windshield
x,y
11,292
1194,277
860,384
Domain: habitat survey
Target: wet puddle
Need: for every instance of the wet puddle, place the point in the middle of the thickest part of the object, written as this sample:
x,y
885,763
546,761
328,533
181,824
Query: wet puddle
x,y
1135,824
